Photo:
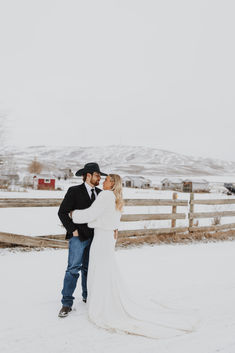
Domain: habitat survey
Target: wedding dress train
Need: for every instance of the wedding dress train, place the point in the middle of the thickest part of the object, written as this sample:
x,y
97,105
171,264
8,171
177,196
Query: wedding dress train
x,y
110,304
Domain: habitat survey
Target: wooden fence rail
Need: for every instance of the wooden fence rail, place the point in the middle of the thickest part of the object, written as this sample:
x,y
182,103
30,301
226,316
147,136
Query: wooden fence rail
x,y
58,240
28,202
24,240
151,217
24,202
212,214
213,202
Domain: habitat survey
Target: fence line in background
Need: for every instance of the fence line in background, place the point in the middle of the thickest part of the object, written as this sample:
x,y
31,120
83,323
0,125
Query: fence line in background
x,y
57,240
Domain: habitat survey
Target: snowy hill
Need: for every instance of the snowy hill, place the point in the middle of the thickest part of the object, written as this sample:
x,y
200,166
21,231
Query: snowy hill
x,y
138,160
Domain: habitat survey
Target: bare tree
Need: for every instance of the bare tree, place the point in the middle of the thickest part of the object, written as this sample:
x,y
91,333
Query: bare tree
x,y
35,167
3,119
2,138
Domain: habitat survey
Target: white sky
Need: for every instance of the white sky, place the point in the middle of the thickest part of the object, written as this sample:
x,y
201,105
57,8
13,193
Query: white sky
x,y
149,72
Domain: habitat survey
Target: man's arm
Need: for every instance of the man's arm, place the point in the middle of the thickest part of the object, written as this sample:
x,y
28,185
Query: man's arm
x,y
66,206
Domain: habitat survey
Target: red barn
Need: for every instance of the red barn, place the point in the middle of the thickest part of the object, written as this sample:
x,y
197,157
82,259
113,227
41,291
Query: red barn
x,y
45,183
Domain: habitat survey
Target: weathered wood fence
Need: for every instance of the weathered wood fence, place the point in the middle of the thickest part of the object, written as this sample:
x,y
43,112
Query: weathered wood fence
x,y
57,241
192,215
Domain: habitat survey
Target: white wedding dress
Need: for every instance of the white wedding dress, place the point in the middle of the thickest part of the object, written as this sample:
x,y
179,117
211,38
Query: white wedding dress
x,y
110,305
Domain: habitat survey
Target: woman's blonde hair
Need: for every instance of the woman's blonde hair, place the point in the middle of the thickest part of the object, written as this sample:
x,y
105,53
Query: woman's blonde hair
x,y
117,190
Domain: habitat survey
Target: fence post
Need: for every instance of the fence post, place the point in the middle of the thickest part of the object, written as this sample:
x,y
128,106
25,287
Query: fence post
x,y
173,221
191,210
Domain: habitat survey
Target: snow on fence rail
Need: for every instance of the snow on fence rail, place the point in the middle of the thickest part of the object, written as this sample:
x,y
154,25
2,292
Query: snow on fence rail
x,y
58,240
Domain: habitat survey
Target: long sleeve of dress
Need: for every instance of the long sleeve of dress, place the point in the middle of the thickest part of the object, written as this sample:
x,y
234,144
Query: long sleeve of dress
x,y
97,209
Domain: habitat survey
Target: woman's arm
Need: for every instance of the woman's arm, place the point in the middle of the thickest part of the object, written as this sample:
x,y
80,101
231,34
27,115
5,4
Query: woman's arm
x,y
99,206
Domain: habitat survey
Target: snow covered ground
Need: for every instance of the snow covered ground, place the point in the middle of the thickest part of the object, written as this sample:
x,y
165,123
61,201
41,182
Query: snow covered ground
x,y
195,276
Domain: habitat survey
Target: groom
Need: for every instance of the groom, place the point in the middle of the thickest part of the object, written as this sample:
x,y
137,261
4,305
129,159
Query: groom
x,y
79,235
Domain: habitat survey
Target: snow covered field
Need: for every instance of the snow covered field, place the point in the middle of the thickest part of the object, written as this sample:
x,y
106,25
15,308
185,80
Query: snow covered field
x,y
195,276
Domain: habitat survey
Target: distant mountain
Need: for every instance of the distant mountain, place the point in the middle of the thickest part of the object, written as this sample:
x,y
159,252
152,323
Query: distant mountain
x,y
135,160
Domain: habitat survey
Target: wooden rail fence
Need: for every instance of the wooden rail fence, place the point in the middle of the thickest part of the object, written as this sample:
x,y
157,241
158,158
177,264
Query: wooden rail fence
x,y
57,241
194,215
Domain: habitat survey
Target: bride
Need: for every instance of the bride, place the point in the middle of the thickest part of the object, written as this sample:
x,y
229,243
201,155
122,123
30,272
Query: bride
x,y
110,304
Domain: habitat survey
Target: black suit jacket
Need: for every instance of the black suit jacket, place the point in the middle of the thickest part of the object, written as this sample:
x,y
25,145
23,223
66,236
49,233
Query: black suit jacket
x,y
76,198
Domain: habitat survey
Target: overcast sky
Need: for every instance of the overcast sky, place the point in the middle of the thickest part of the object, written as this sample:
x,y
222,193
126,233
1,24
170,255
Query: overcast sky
x,y
150,72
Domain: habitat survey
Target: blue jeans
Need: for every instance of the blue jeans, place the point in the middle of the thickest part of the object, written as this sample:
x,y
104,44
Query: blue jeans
x,y
78,259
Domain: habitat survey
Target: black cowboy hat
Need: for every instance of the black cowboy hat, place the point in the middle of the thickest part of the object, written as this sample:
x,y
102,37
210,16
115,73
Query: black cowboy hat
x,y
89,168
